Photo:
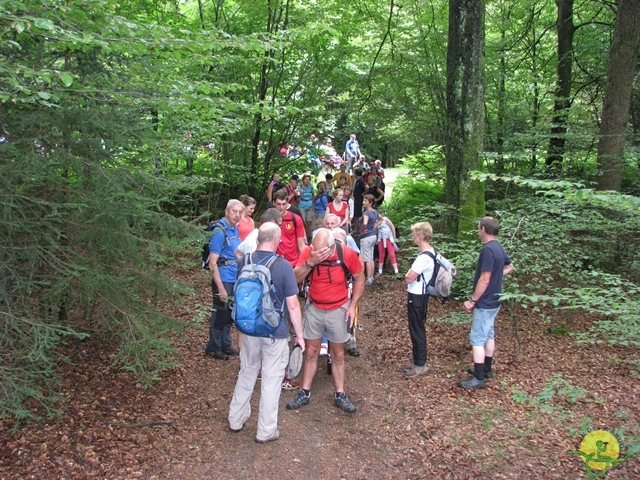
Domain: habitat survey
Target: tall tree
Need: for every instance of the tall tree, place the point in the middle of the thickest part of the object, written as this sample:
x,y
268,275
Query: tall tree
x,y
465,112
562,101
617,96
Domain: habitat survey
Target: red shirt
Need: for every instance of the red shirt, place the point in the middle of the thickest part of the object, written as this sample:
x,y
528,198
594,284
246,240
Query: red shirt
x,y
340,213
329,292
291,229
245,227
292,200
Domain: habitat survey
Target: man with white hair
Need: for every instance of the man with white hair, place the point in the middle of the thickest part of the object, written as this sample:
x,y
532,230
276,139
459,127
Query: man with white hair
x,y
223,266
328,308
332,222
269,353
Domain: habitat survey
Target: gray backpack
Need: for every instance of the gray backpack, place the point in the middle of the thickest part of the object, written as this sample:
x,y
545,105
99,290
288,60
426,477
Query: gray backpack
x,y
443,272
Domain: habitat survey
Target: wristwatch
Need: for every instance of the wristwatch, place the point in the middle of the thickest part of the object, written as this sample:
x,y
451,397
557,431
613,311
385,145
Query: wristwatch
x,y
308,265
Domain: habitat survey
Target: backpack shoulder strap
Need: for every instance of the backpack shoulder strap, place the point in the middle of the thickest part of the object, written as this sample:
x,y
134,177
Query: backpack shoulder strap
x,y
272,261
347,272
218,224
436,267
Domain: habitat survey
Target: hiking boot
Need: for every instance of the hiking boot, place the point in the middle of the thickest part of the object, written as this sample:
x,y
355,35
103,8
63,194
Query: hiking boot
x,y
368,282
488,374
301,399
219,354
408,368
275,437
473,382
232,352
290,385
415,371
353,352
344,403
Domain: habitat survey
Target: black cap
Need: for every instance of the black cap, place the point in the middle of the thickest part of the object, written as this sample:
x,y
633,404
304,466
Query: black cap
x,y
295,177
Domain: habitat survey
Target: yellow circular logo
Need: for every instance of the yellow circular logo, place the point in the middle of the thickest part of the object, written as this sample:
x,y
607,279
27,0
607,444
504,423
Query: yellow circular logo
x,y
600,445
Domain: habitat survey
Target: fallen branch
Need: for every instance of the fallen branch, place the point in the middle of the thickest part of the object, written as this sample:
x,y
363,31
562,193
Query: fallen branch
x,y
138,425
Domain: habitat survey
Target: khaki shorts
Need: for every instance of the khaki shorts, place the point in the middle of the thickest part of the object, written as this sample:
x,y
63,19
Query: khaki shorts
x,y
307,214
315,321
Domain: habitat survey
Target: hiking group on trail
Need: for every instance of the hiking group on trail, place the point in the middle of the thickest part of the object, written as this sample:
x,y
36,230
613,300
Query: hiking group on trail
x,y
317,245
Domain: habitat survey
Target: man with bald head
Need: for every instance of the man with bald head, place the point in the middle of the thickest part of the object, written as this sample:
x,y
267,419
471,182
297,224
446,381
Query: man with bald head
x,y
328,308
271,353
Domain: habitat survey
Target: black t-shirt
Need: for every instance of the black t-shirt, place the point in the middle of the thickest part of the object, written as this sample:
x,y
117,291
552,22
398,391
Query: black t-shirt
x,y
492,259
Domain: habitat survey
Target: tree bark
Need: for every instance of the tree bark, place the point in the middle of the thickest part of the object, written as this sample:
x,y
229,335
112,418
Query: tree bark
x,y
465,113
617,95
562,102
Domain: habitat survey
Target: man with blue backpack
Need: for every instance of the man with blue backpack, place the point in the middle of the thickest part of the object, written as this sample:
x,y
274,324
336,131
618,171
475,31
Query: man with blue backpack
x,y
265,343
223,266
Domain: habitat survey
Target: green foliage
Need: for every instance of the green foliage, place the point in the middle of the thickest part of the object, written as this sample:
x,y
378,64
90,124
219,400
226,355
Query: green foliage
x,y
453,318
556,390
417,192
573,249
84,239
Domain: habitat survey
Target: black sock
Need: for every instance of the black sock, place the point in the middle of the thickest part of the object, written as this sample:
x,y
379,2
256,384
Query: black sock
x,y
487,363
306,392
479,370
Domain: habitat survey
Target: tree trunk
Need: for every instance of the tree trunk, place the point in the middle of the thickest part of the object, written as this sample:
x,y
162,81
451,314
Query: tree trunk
x,y
465,113
617,95
562,101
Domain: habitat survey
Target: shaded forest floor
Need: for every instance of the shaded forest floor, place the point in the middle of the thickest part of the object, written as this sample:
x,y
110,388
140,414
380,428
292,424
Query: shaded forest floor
x,y
424,427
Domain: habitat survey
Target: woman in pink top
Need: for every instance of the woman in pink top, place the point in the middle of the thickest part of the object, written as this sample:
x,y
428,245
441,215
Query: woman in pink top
x,y
339,207
246,225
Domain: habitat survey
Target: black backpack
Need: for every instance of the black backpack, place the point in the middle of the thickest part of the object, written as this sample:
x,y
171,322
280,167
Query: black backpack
x,y
204,255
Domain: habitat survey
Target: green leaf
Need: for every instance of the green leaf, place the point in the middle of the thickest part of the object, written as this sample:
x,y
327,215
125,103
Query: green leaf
x,y
66,78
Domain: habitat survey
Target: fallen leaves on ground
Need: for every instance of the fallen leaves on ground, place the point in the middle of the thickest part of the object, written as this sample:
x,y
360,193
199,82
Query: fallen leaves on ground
x,y
425,427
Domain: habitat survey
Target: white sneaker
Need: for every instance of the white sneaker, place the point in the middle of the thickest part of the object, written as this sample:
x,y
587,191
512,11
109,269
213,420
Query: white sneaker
x,y
324,349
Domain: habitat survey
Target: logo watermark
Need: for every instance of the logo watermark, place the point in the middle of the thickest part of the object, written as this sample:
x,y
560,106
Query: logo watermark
x,y
600,451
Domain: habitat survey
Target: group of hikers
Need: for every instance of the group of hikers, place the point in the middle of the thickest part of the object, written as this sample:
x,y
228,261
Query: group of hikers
x,y
325,157
327,245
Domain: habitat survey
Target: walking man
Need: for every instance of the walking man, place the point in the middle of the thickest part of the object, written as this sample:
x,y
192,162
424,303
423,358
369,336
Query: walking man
x,y
293,233
269,353
223,265
328,308
493,264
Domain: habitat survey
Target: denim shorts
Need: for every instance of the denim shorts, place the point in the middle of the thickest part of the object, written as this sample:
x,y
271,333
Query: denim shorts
x,y
482,326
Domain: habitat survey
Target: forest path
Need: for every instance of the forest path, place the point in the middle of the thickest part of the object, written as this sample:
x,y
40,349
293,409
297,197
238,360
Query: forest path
x,y
425,427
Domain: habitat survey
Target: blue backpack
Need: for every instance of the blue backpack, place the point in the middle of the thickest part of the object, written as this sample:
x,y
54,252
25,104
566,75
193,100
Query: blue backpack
x,y
253,310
